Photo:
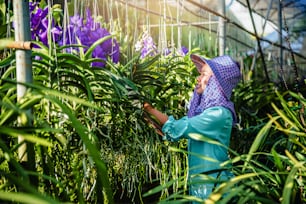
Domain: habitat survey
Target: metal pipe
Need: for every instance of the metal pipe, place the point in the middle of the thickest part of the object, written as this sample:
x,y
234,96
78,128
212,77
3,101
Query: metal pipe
x,y
23,60
258,42
185,24
280,34
263,30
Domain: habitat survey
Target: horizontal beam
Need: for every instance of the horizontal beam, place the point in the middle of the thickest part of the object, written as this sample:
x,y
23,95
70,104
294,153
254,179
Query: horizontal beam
x,y
184,24
21,45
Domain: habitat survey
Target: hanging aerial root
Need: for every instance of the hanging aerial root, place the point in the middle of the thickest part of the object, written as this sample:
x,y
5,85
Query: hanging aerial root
x,y
24,45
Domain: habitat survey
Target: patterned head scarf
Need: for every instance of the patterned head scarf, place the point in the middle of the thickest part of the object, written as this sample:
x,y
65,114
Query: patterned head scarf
x,y
220,85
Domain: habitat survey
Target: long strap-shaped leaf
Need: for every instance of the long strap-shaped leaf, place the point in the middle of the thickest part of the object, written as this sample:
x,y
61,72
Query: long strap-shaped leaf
x,y
93,151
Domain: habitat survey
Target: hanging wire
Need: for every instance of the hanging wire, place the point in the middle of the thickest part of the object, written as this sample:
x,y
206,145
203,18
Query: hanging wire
x,y
135,26
295,68
163,32
179,27
127,29
258,39
66,21
209,32
49,26
147,17
76,7
189,37
111,19
160,26
8,34
8,24
164,27
118,18
171,45
216,42
261,35
95,12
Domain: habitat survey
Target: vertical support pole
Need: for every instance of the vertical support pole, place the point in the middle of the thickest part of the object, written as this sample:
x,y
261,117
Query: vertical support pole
x,y
222,28
280,35
179,26
258,42
23,59
263,30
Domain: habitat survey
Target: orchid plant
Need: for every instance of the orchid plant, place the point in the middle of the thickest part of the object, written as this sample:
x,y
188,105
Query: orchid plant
x,y
85,31
39,24
148,48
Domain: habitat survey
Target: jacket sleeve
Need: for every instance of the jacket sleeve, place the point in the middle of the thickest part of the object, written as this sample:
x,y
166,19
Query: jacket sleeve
x,y
209,123
175,130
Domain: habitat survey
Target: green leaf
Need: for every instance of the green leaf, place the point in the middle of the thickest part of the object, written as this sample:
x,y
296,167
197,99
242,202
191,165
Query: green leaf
x,y
284,117
147,63
277,160
260,138
93,151
26,136
289,186
25,198
69,59
7,61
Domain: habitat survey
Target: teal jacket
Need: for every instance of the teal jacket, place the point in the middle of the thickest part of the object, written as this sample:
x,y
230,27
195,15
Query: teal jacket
x,y
213,123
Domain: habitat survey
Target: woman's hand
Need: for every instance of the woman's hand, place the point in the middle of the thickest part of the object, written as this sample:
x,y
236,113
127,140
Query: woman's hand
x,y
161,117
147,107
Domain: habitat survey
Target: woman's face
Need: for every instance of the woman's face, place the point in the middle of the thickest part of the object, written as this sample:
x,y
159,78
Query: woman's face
x,y
202,80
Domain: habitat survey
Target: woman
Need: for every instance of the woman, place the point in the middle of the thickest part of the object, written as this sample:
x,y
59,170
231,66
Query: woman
x,y
211,115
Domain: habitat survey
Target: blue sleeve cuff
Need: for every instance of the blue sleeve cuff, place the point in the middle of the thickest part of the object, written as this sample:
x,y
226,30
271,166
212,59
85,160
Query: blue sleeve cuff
x,y
174,129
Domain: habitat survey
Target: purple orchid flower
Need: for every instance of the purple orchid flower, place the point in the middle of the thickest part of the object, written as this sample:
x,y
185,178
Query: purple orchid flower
x,y
39,25
146,46
87,31
184,50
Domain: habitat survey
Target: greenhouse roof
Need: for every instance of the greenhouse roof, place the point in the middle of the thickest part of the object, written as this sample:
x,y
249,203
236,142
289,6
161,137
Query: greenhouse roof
x,y
266,14
293,17
292,11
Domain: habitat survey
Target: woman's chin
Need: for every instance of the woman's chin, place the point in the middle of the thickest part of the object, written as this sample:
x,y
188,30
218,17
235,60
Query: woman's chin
x,y
199,90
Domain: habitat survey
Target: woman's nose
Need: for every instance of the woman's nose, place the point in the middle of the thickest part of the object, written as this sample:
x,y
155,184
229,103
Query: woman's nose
x,y
198,78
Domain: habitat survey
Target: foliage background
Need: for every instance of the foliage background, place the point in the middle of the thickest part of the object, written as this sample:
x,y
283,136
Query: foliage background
x,y
87,140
